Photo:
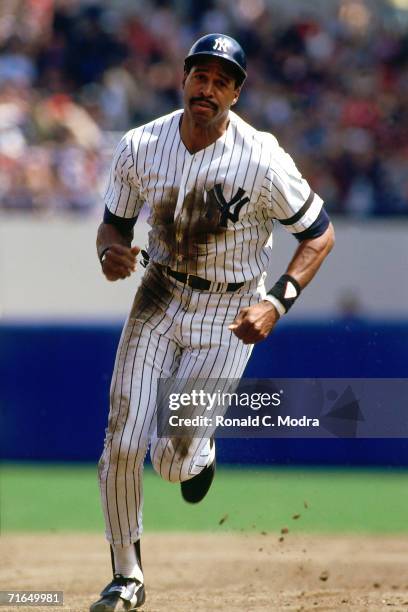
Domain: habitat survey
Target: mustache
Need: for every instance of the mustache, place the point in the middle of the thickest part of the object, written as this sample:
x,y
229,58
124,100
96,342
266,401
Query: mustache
x,y
201,99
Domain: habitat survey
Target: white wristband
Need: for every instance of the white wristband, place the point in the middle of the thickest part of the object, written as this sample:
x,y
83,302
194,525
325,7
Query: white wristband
x,y
278,305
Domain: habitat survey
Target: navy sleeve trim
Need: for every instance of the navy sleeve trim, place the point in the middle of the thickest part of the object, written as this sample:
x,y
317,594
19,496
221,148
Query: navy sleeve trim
x,y
318,227
123,225
300,212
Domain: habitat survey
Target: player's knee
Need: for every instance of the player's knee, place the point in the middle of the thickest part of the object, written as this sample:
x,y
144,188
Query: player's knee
x,y
171,472
172,465
167,473
121,452
163,467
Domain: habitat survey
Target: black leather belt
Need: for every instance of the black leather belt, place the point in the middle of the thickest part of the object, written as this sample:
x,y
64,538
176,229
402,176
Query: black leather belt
x,y
196,282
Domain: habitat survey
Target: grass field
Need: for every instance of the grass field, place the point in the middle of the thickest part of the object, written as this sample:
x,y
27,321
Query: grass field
x,y
346,548
60,498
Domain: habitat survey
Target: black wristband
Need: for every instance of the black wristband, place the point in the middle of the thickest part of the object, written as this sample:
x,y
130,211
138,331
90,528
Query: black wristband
x,y
286,290
105,250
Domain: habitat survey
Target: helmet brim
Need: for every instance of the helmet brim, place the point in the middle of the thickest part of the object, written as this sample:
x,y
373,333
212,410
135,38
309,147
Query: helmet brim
x,y
237,70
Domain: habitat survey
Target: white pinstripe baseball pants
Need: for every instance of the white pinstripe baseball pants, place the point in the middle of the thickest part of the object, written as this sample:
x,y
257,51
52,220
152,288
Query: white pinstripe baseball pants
x,y
172,331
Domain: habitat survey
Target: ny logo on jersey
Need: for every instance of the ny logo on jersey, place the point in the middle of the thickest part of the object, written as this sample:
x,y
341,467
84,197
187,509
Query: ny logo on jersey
x,y
225,207
221,44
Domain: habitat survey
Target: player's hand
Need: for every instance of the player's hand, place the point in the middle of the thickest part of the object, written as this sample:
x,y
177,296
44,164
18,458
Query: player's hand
x,y
119,261
255,323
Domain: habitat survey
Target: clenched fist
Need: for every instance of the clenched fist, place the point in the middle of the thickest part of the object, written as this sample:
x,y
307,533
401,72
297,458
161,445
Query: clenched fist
x,y
255,323
119,261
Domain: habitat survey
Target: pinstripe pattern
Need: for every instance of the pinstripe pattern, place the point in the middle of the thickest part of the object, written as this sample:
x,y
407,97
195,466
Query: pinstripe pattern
x,y
212,214
152,165
173,339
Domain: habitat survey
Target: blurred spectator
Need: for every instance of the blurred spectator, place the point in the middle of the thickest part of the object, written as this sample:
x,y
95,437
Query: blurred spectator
x,y
16,66
75,75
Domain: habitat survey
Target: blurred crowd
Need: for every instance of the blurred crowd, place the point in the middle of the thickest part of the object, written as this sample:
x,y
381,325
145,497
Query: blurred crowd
x,y
75,76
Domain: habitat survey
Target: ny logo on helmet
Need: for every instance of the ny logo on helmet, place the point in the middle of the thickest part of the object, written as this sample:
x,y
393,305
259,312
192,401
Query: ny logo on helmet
x,y
238,201
221,44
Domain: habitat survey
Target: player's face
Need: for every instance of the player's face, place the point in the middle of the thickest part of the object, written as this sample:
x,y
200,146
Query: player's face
x,y
209,91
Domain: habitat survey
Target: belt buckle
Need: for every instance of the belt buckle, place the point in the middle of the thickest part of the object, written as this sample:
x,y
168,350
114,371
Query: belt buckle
x,y
187,279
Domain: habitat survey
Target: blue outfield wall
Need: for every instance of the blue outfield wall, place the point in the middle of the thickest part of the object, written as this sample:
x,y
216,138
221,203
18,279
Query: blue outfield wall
x,y
54,382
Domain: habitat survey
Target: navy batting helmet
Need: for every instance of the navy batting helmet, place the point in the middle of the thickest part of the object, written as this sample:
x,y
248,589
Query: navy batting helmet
x,y
219,45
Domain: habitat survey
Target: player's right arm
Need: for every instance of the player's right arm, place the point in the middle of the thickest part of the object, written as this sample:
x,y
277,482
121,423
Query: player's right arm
x,y
122,207
117,256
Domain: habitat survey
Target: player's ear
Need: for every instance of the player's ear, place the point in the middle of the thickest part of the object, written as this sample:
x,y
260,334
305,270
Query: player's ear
x,y
236,96
185,75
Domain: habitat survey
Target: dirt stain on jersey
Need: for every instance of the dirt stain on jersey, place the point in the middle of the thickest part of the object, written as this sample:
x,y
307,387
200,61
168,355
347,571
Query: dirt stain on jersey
x,y
189,235
154,294
197,225
162,221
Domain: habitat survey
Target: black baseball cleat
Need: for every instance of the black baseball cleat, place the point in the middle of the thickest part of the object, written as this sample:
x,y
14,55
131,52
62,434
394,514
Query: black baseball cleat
x,y
120,594
195,489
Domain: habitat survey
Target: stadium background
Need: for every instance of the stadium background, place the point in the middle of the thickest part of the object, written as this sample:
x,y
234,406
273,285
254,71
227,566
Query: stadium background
x,y
330,79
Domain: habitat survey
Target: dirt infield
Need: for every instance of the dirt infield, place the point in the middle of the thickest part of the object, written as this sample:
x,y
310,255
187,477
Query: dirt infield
x,y
226,572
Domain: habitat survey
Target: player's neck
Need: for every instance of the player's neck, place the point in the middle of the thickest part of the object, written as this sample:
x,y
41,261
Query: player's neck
x,y
197,136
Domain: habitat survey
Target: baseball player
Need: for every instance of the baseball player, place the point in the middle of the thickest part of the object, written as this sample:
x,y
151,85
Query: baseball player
x,y
214,186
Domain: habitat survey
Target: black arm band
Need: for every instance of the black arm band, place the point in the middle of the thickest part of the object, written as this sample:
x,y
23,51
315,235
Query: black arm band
x,y
318,227
286,290
125,226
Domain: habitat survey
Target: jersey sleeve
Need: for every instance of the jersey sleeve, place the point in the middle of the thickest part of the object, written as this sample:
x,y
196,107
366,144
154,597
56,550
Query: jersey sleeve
x,y
122,195
288,195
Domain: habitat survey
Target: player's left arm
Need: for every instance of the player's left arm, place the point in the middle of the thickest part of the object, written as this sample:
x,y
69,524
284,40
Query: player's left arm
x,y
288,198
256,322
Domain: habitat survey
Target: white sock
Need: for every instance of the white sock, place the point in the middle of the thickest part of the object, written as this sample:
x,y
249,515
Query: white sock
x,y
126,562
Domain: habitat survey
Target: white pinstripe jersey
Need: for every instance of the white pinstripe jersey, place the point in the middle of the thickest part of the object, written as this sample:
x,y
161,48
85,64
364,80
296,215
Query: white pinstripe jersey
x,y
211,212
